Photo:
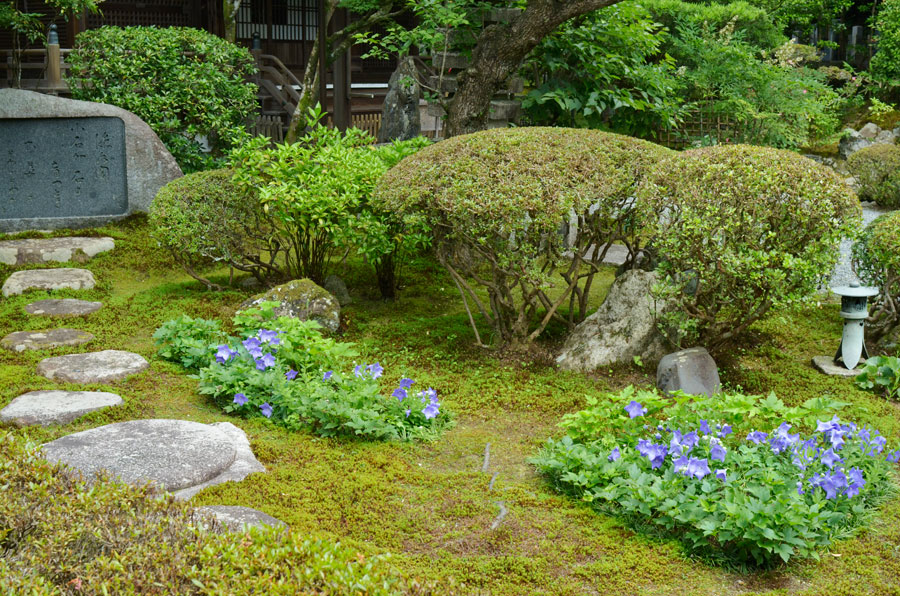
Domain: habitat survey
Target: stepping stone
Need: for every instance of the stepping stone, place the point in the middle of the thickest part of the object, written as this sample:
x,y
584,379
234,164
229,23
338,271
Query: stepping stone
x,y
825,364
62,307
179,456
239,518
92,367
46,250
39,340
55,407
48,279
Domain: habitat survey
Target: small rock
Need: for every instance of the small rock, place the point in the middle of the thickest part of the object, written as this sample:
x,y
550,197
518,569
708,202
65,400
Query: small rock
x,y
39,340
48,279
852,142
337,288
691,371
869,131
55,407
92,367
239,518
886,137
825,364
45,250
62,307
302,299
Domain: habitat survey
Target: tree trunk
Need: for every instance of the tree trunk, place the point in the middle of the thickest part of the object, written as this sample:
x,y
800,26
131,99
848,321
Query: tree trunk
x,y
229,14
498,53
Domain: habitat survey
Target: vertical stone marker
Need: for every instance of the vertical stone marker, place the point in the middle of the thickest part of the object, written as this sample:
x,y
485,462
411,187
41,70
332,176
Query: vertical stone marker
x,y
66,163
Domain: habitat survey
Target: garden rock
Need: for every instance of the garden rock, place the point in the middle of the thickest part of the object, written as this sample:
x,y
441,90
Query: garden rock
x,y
885,137
46,250
337,288
55,407
48,279
400,118
852,142
623,327
92,367
239,518
869,131
304,300
826,365
39,340
691,371
62,307
179,456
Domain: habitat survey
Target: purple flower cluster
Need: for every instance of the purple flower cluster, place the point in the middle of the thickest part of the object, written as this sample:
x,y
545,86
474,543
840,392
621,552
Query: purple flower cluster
x,y
373,370
255,344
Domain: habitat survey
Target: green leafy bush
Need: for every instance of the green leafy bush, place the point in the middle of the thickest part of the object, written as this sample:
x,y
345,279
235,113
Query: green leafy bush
x,y
876,260
495,201
751,24
696,470
62,534
316,192
740,230
877,169
204,218
885,64
881,373
284,369
185,83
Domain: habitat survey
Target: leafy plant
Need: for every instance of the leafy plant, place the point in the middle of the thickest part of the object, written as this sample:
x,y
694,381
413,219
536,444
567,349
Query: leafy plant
x,y
740,230
877,169
185,83
885,64
881,374
495,200
701,470
188,341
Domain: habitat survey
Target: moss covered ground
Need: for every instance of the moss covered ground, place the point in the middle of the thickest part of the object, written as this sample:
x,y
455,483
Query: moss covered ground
x,y
430,504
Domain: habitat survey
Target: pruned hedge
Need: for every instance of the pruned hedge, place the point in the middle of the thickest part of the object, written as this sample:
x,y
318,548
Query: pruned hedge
x,y
877,169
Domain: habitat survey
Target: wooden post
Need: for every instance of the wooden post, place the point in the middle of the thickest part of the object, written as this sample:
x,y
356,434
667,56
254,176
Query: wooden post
x,y
53,72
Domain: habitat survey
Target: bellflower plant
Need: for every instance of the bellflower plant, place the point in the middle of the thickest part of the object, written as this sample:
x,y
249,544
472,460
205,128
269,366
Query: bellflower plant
x,y
785,488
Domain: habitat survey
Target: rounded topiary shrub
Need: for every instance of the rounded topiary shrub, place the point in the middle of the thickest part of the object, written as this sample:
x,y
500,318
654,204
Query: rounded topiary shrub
x,y
877,169
517,210
876,259
204,218
739,230
184,83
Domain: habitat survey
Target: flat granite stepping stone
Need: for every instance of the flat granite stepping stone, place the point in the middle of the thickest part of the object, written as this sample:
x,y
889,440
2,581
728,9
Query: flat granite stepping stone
x,y
48,279
92,367
46,250
55,407
239,518
39,340
62,307
179,456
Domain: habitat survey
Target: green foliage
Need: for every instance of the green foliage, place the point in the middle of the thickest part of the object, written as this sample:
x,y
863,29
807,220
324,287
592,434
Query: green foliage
x,y
881,374
205,218
751,24
885,64
740,230
29,24
316,193
189,342
876,260
775,496
185,83
62,534
495,200
877,169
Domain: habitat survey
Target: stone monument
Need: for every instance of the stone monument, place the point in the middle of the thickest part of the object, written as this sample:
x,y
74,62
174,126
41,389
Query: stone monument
x,y
66,163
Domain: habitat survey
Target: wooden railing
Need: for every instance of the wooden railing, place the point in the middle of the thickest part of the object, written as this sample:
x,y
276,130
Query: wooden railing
x,y
42,69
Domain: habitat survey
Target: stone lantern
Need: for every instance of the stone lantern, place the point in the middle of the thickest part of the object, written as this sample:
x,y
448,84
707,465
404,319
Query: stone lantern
x,y
854,311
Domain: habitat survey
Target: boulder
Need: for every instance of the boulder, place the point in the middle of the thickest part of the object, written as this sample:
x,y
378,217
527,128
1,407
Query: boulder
x,y
851,142
623,327
48,279
148,164
337,288
46,250
870,131
400,118
92,367
304,300
691,371
885,137
55,407
62,307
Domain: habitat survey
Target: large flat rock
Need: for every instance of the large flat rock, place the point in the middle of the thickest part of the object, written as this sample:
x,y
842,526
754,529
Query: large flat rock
x,y
55,407
41,340
176,455
62,307
47,250
238,518
92,367
48,279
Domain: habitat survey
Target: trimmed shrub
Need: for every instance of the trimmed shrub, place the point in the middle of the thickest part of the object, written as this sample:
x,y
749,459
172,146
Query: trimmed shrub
x,y
885,64
740,230
495,202
185,83
877,169
876,260
694,469
204,218
62,534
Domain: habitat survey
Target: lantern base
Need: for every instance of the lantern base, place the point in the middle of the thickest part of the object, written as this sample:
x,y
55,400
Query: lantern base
x,y
826,365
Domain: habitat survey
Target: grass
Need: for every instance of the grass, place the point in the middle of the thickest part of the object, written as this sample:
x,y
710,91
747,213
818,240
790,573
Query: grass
x,y
429,504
